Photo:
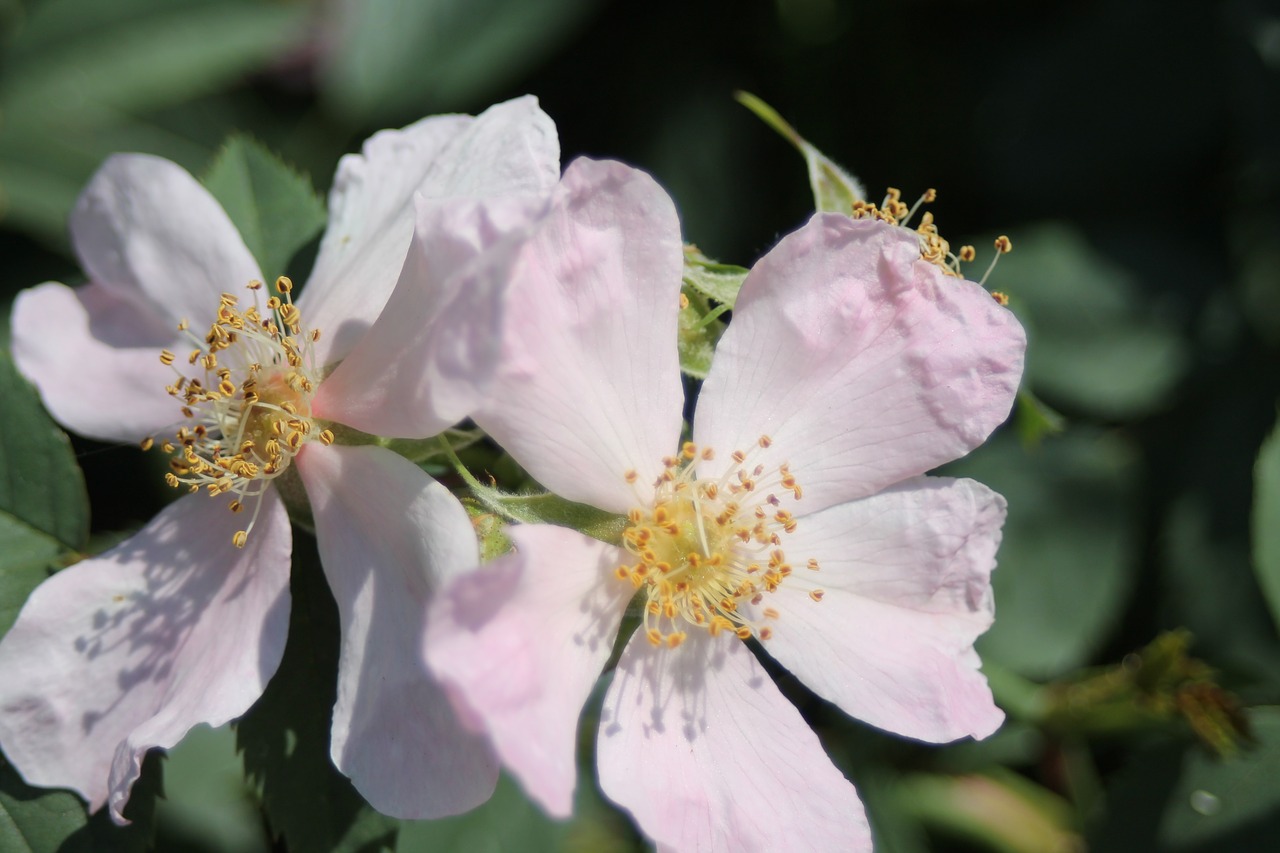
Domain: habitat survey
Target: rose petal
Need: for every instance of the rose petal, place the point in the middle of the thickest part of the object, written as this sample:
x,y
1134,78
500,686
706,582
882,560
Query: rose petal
x,y
905,576
521,642
148,232
864,364
511,148
425,362
129,650
590,386
698,744
388,534
95,360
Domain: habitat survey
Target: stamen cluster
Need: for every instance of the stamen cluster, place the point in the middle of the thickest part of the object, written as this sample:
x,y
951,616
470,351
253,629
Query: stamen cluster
x,y
704,547
249,412
933,248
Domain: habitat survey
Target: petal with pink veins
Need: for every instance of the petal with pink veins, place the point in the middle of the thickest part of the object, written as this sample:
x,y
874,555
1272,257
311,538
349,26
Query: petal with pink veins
x,y
521,642
148,232
388,536
589,385
95,359
128,650
429,355
863,363
698,744
511,148
905,577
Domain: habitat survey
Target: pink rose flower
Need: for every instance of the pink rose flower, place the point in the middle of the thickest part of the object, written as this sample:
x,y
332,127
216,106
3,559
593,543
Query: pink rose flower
x,y
797,515
185,622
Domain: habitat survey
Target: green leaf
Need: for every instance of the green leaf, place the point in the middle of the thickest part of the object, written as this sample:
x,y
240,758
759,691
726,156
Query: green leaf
x,y
834,189
285,735
44,509
712,279
394,56
1266,521
274,207
1098,342
82,62
1065,565
1170,797
207,805
38,820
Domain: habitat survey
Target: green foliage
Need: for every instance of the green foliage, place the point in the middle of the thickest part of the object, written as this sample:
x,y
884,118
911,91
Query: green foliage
x,y
397,56
78,75
1266,521
44,510
275,209
38,820
1095,343
1180,799
712,279
285,735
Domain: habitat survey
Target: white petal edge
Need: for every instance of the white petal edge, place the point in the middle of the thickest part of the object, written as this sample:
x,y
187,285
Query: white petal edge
x,y
127,651
863,363
148,232
906,589
589,384
95,361
520,642
388,536
511,148
698,744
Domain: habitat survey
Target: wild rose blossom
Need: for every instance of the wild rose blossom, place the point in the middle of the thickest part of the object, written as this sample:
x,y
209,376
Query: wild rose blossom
x,y
797,515
186,621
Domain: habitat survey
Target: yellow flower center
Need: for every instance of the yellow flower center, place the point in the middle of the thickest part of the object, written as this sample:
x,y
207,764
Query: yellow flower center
x,y
248,412
705,547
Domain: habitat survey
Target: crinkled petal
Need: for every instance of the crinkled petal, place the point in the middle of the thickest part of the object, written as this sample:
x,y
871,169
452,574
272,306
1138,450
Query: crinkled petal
x,y
129,650
698,744
589,387
388,535
864,364
148,232
906,581
511,148
521,642
429,355
95,360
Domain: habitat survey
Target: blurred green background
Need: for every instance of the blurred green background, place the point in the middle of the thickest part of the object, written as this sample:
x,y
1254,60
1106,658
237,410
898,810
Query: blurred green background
x,y
1130,148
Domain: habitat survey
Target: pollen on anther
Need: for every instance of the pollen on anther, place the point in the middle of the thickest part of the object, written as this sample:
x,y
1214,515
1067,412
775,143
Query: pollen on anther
x,y
240,538
816,594
147,443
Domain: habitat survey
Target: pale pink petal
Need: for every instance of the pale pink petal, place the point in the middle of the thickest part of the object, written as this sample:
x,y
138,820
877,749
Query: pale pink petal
x,y
388,535
425,362
864,364
520,642
95,360
148,232
511,148
589,387
906,589
698,744
129,650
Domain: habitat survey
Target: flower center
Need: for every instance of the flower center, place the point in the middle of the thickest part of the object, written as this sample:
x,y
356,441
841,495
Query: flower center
x,y
933,248
248,411
705,547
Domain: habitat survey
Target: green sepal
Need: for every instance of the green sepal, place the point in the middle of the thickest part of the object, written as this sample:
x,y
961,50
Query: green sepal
x,y
834,189
711,278
1034,420
700,328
